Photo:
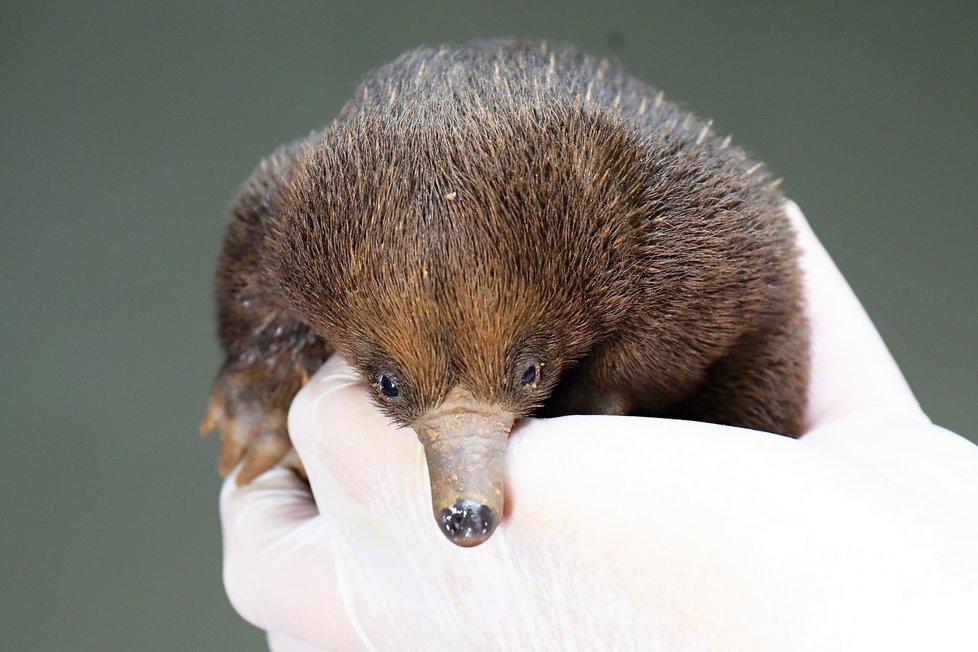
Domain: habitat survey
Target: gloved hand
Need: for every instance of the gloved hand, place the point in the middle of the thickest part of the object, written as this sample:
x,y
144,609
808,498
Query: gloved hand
x,y
629,533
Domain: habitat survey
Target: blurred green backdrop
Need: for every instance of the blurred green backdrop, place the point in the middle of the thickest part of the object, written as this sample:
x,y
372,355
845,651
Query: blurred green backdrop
x,y
127,127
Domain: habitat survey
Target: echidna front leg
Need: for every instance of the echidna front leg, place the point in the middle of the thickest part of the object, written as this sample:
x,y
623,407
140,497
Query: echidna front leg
x,y
762,382
250,398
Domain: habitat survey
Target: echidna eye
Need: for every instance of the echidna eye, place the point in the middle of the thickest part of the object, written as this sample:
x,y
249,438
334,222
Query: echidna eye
x,y
387,385
529,376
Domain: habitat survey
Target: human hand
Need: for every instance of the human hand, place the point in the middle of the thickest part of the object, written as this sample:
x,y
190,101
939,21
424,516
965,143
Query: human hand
x,y
629,533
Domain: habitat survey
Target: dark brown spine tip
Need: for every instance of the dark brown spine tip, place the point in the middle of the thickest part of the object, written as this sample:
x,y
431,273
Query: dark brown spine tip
x,y
466,523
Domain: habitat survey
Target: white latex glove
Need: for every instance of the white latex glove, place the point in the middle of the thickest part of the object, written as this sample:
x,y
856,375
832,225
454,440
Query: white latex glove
x,y
625,533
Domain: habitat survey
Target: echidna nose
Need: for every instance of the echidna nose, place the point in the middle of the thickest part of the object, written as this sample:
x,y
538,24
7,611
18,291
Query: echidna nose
x,y
467,523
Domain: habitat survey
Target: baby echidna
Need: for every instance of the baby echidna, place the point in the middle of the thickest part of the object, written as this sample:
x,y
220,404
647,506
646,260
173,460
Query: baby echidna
x,y
501,229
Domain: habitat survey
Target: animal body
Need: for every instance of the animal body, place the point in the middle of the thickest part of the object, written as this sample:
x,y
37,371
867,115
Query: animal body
x,y
502,229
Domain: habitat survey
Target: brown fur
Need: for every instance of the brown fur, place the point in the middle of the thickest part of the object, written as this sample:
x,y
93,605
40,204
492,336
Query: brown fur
x,y
477,208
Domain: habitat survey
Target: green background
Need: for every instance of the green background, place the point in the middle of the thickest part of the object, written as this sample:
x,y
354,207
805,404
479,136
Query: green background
x,y
127,127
